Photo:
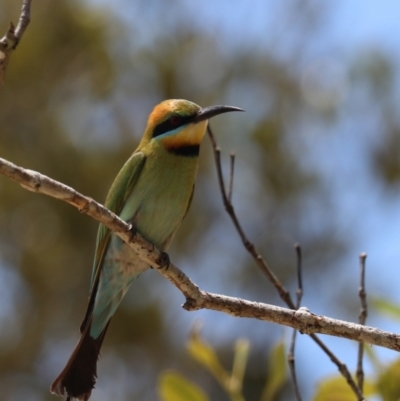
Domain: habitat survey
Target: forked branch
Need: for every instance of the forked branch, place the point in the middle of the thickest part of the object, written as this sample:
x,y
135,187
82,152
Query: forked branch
x,y
266,269
9,42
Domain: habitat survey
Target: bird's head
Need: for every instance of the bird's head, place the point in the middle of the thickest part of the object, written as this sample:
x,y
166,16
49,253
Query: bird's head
x,y
180,125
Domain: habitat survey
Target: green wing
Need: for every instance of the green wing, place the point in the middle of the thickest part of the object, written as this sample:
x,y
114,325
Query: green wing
x,y
116,198
190,202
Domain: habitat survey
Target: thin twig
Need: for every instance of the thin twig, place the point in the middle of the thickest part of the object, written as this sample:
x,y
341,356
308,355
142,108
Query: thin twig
x,y
341,367
299,270
231,172
265,268
9,42
261,263
299,295
24,20
362,317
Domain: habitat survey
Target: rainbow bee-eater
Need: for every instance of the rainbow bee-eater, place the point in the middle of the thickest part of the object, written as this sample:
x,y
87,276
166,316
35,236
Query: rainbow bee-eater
x,y
153,192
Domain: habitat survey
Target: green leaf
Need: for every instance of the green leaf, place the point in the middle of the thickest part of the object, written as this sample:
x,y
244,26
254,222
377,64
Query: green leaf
x,y
386,307
336,388
172,386
276,373
242,349
203,353
388,383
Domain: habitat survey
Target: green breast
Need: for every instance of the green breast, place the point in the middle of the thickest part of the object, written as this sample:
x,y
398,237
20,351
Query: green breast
x,y
161,196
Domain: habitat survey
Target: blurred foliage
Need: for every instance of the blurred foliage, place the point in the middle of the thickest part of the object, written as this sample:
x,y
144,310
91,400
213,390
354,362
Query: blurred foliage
x,y
388,383
383,383
231,382
376,71
174,386
386,157
386,307
74,104
336,389
277,376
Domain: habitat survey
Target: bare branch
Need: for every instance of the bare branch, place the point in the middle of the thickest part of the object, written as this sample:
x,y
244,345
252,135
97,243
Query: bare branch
x,y
341,367
261,263
303,320
231,172
299,292
265,268
24,20
299,295
9,42
362,319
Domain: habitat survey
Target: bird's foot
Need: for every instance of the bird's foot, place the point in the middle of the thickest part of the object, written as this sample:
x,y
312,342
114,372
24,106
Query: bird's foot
x,y
163,261
132,231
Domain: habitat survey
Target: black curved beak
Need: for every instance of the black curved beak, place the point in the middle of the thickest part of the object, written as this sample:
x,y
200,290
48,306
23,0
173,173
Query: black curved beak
x,y
212,111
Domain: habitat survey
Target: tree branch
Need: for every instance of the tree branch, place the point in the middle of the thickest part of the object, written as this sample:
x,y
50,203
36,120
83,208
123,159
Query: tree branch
x,y
260,261
265,268
9,42
299,296
303,320
361,319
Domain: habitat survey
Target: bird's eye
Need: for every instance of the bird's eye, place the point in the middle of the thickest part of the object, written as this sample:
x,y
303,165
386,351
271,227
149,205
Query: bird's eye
x,y
175,120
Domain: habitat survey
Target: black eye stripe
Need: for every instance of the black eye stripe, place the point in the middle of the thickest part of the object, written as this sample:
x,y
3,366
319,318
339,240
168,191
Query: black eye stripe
x,y
166,125
187,151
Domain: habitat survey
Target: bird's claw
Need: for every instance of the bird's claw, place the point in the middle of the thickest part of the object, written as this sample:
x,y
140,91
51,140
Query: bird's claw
x,y
132,231
163,261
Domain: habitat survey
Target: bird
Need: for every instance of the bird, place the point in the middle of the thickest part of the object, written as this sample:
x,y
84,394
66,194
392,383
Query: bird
x,y
152,192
